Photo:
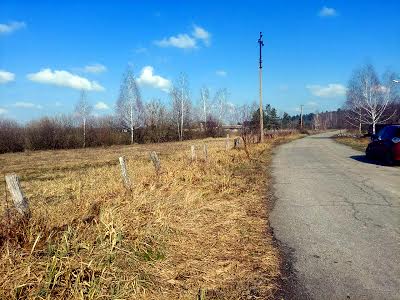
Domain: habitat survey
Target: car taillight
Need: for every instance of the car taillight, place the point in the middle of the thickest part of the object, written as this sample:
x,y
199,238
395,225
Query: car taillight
x,y
396,140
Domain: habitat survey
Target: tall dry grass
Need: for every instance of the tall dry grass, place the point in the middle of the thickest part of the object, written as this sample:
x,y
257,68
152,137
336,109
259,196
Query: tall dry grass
x,y
198,230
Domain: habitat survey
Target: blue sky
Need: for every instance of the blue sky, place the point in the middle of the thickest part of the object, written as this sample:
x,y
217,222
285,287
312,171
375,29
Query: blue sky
x,y
49,50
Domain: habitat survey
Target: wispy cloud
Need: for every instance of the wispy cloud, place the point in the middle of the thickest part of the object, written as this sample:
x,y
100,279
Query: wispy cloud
x,y
147,77
101,106
27,105
221,73
95,68
312,103
201,34
327,12
65,79
330,90
183,41
186,40
140,50
283,87
3,111
6,76
11,27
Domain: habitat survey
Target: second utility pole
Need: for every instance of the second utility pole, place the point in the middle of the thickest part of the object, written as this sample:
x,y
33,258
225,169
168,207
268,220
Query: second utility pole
x,y
301,116
261,43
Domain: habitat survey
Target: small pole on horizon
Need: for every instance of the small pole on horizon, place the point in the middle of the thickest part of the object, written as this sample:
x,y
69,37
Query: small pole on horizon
x,y
301,116
261,43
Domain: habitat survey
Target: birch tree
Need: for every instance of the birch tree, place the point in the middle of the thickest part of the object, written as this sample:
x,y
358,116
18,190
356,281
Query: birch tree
x,y
83,110
204,99
129,106
368,99
180,103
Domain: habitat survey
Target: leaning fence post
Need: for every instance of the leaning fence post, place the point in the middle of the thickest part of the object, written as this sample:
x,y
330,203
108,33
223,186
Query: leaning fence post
x,y
205,152
18,196
124,173
156,161
227,146
193,152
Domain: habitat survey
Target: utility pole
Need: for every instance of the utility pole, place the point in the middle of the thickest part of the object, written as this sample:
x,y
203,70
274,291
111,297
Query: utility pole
x,y
301,116
261,43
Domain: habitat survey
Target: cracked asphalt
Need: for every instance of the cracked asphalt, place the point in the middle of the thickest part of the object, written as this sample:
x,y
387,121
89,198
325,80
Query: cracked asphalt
x,y
337,218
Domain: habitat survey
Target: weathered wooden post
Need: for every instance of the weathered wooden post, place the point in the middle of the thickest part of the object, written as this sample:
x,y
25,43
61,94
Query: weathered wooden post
x,y
124,173
205,152
227,146
193,153
18,196
236,143
156,161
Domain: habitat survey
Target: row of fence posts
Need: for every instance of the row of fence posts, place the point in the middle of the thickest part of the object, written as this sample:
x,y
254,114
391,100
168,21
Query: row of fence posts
x,y
21,202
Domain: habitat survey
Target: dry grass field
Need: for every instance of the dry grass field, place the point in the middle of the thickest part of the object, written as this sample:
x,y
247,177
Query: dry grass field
x,y
198,230
359,144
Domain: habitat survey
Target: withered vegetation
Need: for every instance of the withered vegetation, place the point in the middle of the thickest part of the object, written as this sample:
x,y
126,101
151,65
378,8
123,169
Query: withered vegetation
x,y
195,230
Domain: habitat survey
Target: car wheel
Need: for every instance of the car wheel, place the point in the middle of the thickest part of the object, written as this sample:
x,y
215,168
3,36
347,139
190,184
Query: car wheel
x,y
368,153
389,161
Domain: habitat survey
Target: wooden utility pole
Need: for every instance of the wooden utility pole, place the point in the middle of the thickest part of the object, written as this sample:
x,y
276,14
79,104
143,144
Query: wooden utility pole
x,y
301,116
261,43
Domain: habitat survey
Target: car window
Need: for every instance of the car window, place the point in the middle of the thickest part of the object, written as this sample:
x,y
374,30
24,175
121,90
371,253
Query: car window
x,y
397,132
390,132
381,133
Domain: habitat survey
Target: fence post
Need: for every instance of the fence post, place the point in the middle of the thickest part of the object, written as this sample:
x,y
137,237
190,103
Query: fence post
x,y
193,152
236,143
124,173
156,161
20,201
205,152
227,146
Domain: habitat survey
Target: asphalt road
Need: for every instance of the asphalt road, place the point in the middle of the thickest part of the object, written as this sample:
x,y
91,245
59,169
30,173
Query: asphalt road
x,y
338,220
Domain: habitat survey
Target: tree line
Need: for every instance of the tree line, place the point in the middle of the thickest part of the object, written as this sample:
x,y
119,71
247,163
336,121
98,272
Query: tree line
x,y
368,101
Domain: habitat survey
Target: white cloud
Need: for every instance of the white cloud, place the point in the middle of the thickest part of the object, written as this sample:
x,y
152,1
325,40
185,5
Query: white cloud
x,y
186,41
64,78
58,104
312,103
148,78
11,27
201,34
6,76
101,106
27,105
331,90
221,73
183,41
3,111
95,68
327,12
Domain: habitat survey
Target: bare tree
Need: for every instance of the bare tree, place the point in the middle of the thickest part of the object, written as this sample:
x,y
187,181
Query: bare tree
x,y
220,104
83,110
205,98
155,119
368,99
129,107
180,103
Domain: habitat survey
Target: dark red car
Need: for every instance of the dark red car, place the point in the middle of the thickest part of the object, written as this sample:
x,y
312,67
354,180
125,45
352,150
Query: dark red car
x,y
385,145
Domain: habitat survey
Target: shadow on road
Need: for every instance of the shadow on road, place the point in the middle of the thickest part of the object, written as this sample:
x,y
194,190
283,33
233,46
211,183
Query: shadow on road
x,y
364,159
